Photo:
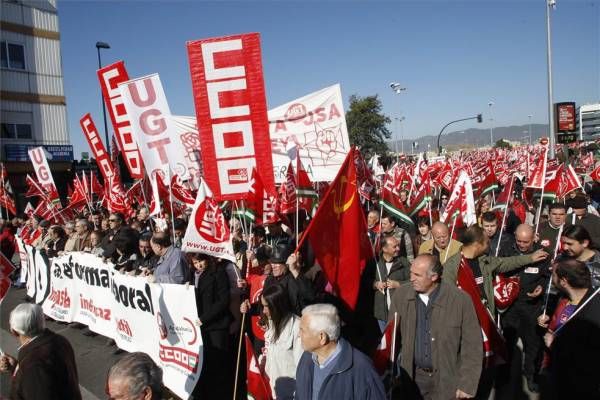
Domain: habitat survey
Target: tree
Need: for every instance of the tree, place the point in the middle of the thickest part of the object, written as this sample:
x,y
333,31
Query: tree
x,y
503,144
367,125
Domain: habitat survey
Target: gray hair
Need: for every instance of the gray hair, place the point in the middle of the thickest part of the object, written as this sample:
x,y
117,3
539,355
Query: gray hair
x,y
70,225
434,266
84,222
27,320
139,371
323,318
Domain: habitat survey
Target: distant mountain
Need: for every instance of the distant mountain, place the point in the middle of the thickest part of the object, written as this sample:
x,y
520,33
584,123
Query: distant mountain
x,y
470,138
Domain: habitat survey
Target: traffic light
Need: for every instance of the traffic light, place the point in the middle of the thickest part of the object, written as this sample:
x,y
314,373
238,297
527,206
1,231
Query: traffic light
x,y
479,118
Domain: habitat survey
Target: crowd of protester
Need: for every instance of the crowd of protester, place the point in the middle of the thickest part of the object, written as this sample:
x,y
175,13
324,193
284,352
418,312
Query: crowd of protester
x,y
312,346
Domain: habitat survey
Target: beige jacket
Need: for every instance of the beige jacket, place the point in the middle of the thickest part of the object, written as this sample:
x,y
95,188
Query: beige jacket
x,y
453,247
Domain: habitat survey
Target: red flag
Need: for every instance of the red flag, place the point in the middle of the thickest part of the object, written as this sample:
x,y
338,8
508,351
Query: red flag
x,y
338,234
6,198
569,182
287,192
494,347
6,268
260,205
595,174
256,284
536,179
382,357
503,199
33,187
256,381
180,192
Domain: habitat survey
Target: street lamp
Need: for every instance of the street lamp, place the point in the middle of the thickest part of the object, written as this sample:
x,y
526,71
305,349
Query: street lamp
x,y
396,87
478,117
490,104
103,45
399,120
529,116
550,3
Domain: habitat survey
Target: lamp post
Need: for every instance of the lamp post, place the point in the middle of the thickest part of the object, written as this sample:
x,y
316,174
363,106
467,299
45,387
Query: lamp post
x,y
398,88
529,116
490,104
103,45
550,3
399,121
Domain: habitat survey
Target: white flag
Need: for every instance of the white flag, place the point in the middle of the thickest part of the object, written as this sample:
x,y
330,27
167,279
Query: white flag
x,y
207,232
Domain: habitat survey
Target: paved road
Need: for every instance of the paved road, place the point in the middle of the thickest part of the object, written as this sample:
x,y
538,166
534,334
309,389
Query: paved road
x,y
92,355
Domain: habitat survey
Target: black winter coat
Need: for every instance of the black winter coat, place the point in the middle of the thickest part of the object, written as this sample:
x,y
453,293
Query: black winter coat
x,y
212,299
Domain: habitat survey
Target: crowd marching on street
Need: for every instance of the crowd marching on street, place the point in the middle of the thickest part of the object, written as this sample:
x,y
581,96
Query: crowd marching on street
x,y
472,283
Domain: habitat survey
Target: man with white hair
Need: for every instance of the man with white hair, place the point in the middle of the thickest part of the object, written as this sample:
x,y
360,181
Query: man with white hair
x,y
330,367
45,367
135,376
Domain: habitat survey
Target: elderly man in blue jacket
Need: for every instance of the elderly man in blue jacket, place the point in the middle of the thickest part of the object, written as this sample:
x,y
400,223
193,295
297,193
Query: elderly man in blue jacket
x,y
330,367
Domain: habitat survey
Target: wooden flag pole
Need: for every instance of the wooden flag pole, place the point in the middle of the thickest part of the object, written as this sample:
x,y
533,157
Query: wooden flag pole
x,y
237,364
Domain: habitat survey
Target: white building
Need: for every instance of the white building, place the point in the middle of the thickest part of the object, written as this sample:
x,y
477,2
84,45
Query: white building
x,y
33,108
588,121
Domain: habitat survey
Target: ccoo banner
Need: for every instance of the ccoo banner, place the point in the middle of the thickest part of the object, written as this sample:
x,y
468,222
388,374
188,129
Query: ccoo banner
x,y
157,319
93,138
231,111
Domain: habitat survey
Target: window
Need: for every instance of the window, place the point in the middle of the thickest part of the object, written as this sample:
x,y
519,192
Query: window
x,y
16,125
13,55
16,131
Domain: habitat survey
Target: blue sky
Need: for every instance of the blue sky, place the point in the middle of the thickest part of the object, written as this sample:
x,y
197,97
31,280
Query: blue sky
x,y
453,56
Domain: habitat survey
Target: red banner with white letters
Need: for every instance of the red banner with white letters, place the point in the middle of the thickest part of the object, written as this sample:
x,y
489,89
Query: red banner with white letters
x,y
231,111
110,77
98,150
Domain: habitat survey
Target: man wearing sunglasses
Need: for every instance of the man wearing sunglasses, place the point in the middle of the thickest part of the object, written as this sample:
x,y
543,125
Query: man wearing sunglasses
x,y
117,229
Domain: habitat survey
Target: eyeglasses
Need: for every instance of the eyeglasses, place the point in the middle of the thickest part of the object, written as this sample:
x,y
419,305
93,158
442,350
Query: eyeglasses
x,y
113,220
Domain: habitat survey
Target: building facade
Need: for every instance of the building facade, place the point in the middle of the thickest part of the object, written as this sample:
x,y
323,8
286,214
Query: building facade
x,y
588,121
33,108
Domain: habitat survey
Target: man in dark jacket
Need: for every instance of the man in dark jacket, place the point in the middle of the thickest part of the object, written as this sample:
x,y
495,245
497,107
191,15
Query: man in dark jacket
x,y
45,367
581,216
211,287
330,367
118,229
574,346
489,223
392,271
285,271
520,320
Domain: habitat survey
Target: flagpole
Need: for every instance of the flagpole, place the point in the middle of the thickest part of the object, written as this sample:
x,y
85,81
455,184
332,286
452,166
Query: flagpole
x,y
171,204
450,239
297,230
539,213
142,181
394,333
504,216
3,191
237,364
556,247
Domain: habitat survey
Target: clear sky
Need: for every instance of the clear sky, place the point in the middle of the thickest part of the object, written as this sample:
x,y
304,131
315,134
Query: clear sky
x,y
452,56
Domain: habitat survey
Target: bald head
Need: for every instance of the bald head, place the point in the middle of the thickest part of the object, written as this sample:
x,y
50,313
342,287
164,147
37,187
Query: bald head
x,y
524,235
441,235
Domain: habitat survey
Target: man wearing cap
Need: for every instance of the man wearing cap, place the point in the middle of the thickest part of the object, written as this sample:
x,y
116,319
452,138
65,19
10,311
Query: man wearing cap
x,y
581,216
285,271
